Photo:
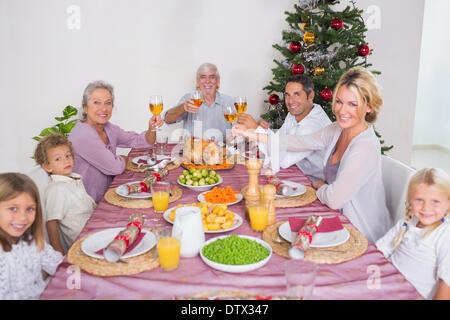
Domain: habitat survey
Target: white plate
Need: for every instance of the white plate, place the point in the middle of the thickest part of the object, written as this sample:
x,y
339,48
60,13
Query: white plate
x,y
201,188
239,196
236,268
146,158
320,240
299,189
120,190
237,222
101,239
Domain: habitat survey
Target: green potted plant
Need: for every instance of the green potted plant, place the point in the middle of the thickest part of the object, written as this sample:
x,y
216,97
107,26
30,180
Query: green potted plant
x,y
64,125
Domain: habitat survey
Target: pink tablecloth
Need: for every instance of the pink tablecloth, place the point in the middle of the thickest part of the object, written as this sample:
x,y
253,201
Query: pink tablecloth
x,y
370,276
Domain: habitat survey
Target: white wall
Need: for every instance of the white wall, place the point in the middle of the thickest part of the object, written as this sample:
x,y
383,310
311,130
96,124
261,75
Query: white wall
x,y
432,124
148,47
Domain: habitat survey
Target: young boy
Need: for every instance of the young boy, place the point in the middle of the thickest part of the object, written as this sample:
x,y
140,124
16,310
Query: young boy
x,y
66,200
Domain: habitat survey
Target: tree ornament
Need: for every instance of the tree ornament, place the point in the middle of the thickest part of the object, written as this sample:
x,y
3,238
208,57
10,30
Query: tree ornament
x,y
336,24
304,25
326,94
274,99
309,38
295,47
363,50
298,69
317,71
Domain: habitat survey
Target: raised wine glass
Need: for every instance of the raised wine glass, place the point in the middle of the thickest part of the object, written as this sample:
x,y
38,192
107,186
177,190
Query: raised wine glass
x,y
240,104
156,106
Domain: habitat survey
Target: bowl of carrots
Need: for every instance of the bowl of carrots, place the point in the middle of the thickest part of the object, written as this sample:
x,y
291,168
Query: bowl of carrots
x,y
221,196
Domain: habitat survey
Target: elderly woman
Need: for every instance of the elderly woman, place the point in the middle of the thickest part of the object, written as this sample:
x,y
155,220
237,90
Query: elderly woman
x,y
352,163
210,113
95,140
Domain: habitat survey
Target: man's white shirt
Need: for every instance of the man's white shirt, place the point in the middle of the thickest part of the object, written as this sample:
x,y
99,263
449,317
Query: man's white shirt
x,y
310,163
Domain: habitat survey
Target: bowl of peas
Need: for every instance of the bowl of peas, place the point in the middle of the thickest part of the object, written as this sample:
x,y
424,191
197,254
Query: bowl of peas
x,y
235,253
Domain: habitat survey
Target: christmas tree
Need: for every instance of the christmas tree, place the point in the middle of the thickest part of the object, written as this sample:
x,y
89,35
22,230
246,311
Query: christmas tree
x,y
323,43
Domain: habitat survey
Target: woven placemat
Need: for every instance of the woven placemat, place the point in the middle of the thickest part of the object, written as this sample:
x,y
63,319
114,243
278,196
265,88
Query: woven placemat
x,y
103,268
130,166
355,246
298,201
112,197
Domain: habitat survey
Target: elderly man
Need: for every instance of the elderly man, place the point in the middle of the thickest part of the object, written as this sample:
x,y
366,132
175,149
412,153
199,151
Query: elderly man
x,y
208,119
304,117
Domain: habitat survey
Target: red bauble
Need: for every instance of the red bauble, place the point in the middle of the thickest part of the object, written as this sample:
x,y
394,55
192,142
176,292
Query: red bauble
x,y
295,47
298,69
363,50
337,24
326,94
274,99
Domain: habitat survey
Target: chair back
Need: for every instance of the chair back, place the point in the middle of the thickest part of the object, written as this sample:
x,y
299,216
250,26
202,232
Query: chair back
x,y
396,177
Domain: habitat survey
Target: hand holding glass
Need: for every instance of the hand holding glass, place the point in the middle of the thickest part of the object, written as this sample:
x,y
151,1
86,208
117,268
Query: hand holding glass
x,y
156,106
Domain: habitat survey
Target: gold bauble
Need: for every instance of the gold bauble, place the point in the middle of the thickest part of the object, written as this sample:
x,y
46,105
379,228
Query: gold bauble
x,y
309,37
317,71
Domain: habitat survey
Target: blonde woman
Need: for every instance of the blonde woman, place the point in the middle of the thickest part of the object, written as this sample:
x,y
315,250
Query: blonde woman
x,y
352,163
419,244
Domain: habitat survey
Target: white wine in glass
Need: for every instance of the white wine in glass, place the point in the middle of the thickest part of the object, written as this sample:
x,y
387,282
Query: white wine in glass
x,y
197,98
156,106
229,114
241,104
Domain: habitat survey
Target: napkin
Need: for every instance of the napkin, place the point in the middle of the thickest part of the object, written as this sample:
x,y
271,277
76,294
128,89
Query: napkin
x,y
327,225
304,236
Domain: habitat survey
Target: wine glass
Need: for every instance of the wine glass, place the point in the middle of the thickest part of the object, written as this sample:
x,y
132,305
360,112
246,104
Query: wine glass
x,y
241,104
197,99
229,113
156,106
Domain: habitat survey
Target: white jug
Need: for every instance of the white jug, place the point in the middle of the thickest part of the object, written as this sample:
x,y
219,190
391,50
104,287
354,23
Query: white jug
x,y
188,227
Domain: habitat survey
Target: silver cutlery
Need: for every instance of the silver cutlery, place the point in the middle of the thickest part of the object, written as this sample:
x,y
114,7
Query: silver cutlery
x,y
278,240
84,254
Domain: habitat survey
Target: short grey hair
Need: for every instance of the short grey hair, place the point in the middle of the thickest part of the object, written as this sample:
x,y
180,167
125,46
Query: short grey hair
x,y
99,84
206,67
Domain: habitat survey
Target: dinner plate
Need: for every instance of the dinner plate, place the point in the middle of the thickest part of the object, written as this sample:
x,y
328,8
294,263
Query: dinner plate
x,y
239,196
320,240
237,221
121,191
236,268
101,239
299,189
145,158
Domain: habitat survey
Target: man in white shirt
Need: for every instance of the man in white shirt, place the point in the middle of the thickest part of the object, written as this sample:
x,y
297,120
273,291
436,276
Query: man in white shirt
x,y
304,117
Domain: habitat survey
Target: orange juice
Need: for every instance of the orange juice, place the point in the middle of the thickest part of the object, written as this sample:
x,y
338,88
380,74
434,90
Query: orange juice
x,y
258,217
169,252
160,201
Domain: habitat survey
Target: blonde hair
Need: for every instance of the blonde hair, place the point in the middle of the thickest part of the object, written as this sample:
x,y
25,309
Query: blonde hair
x,y
49,142
12,185
364,84
429,176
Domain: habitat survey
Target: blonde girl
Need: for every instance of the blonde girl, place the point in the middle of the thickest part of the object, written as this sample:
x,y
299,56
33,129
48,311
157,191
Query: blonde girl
x,y
23,251
419,244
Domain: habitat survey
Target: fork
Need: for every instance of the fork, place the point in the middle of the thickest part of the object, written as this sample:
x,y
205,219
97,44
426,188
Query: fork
x,y
84,254
278,240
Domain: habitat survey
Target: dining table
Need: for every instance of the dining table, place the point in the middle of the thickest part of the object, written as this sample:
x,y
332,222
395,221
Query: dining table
x,y
369,276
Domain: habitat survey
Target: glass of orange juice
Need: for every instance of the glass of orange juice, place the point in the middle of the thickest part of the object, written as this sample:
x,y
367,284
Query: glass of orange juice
x,y
168,252
160,196
258,213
